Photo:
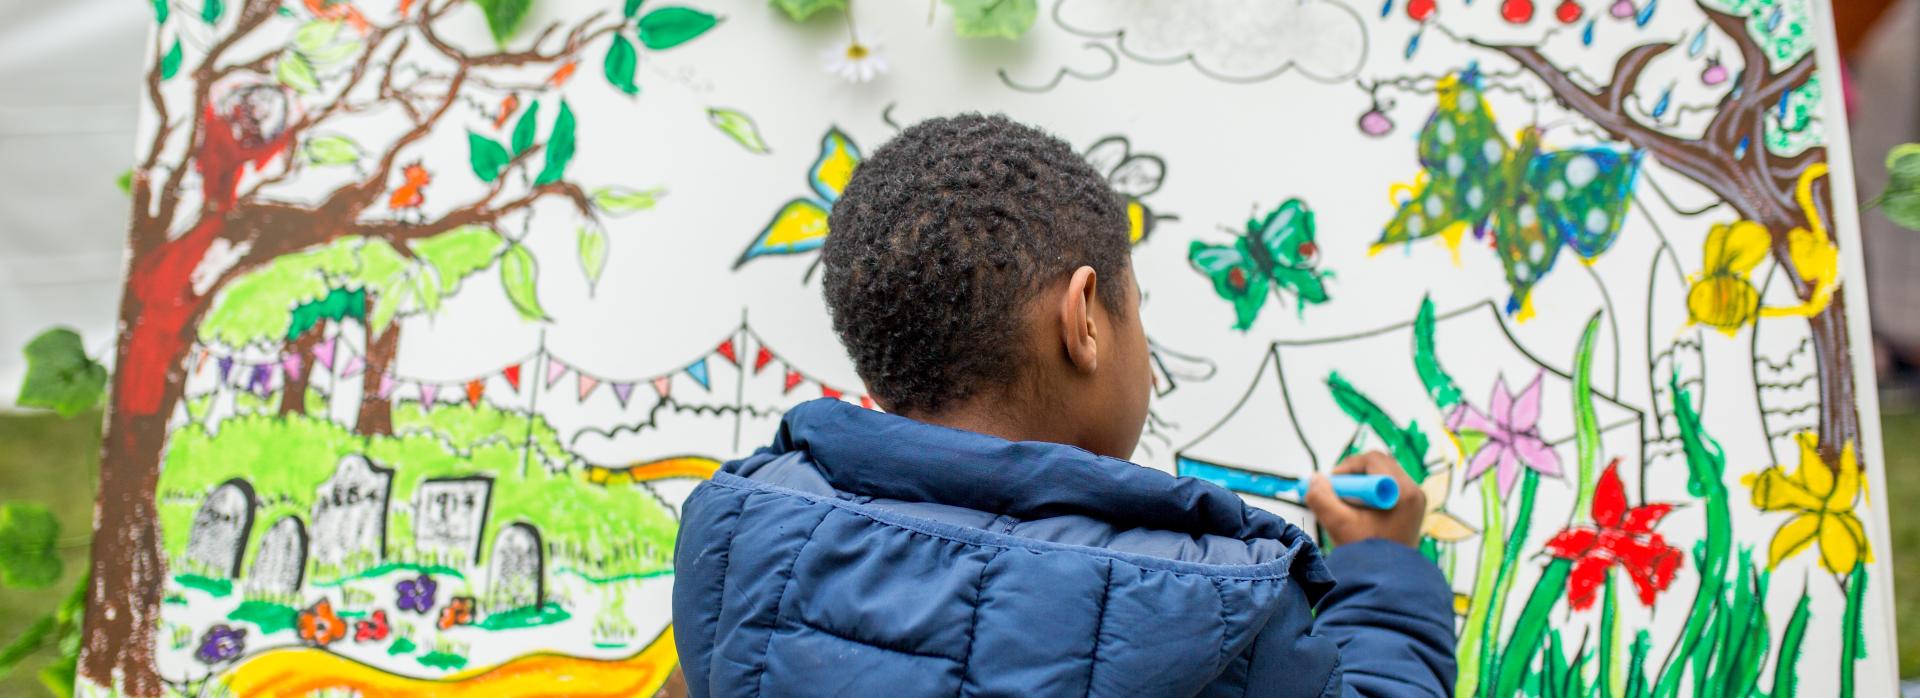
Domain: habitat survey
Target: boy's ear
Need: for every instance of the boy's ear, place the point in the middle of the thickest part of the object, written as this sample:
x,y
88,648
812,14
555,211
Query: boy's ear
x,y
1078,333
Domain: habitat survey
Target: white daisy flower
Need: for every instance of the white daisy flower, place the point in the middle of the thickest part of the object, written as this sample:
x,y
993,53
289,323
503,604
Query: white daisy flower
x,y
856,62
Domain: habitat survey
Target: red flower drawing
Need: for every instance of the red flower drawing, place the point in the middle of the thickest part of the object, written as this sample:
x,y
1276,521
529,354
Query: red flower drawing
x,y
373,629
1618,536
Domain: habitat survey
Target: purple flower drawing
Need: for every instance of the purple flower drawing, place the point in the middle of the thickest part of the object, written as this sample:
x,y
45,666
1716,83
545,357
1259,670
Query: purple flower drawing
x,y
221,643
416,594
1512,430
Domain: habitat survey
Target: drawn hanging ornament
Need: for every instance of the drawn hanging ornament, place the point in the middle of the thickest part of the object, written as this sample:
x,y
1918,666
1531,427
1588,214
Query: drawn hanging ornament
x,y
1375,122
1715,73
1517,11
1569,12
1623,9
1420,10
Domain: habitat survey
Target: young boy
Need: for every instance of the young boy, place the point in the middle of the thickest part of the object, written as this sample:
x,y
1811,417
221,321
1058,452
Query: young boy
x,y
984,536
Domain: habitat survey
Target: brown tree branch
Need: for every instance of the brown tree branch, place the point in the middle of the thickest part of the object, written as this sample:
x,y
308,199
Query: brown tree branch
x,y
252,16
578,36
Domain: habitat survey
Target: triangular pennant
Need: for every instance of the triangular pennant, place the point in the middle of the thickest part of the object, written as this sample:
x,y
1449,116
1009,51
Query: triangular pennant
x,y
262,378
555,370
200,364
662,385
323,352
226,367
291,363
622,391
793,380
587,384
387,386
475,389
761,360
726,349
699,372
428,392
513,376
866,401
355,365
829,392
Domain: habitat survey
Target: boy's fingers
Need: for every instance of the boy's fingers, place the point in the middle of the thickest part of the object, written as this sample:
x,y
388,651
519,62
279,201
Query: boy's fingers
x,y
1325,504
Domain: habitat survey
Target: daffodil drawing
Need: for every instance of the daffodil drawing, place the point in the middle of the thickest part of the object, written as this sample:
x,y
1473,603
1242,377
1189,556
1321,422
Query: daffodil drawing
x,y
1508,435
1822,498
1440,524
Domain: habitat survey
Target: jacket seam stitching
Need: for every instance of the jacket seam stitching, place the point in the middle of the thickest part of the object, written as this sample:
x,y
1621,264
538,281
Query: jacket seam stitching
x,y
1099,624
1220,655
850,639
973,625
773,628
726,566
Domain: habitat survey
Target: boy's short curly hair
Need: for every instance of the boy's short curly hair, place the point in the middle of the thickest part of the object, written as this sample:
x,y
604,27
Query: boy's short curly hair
x,y
941,240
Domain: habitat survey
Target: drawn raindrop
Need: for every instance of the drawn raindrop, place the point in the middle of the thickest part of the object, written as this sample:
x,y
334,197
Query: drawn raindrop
x,y
1413,44
1784,97
1386,9
1586,35
1740,151
1699,44
1646,13
1773,20
1666,101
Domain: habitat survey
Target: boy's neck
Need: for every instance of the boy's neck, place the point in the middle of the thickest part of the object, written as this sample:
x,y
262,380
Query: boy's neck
x,y
996,419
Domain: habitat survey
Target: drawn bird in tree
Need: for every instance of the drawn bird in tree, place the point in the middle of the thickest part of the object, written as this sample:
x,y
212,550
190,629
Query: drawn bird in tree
x,y
1534,200
1277,252
411,194
340,10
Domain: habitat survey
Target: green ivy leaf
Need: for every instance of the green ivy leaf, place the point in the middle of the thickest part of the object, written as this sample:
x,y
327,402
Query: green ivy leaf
x,y
293,70
1901,201
739,127
617,201
798,10
160,11
170,63
211,11
668,27
1006,19
593,254
60,375
525,129
519,274
504,17
333,150
487,156
620,64
631,8
28,536
124,182
559,148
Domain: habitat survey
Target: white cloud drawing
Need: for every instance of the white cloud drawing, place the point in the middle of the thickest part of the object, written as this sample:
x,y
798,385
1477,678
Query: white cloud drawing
x,y
1232,40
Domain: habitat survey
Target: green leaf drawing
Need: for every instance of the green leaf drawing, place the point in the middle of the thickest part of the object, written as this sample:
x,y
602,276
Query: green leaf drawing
x,y
518,275
1786,681
60,375
559,148
798,10
524,129
620,63
1006,19
331,150
293,70
1408,446
339,304
631,8
618,201
124,182
211,11
1586,424
316,35
170,63
487,156
1440,386
504,17
29,557
160,11
1901,201
668,27
739,127
593,254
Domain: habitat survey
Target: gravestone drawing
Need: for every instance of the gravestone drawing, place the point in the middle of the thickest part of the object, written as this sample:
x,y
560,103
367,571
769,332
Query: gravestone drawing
x,y
218,538
517,572
350,514
281,563
448,515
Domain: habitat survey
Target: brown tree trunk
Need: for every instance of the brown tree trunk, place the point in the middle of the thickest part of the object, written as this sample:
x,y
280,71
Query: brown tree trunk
x,y
376,410
293,399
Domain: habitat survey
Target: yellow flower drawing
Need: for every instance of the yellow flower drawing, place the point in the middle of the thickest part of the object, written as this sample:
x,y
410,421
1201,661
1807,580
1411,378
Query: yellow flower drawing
x,y
1723,295
1822,501
1440,524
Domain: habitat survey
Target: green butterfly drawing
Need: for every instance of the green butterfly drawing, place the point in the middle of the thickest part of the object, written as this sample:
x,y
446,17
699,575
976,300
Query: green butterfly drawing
x,y
1276,253
1534,200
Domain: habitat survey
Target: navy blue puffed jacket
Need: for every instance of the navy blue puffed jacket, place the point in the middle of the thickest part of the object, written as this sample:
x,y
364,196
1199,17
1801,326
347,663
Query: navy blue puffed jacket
x,y
867,554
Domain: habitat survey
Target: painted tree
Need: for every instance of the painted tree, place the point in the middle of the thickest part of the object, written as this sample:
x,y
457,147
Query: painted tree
x,y
270,84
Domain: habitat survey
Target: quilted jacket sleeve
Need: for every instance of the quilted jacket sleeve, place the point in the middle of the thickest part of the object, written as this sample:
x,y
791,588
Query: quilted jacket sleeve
x,y
1391,613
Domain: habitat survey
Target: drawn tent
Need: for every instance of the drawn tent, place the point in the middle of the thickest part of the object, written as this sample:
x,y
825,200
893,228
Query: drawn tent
x,y
1290,424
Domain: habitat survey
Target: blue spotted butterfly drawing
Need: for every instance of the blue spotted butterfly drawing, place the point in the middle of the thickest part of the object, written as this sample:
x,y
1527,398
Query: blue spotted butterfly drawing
x,y
1275,254
1532,199
801,224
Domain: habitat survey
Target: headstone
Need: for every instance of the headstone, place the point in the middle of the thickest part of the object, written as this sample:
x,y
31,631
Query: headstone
x,y
517,569
282,560
350,515
218,538
449,514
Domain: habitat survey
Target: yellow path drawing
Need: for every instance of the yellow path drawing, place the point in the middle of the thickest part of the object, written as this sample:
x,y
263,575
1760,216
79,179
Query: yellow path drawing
x,y
296,672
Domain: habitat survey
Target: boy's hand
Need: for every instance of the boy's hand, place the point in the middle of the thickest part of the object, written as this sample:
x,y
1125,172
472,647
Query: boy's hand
x,y
1346,523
